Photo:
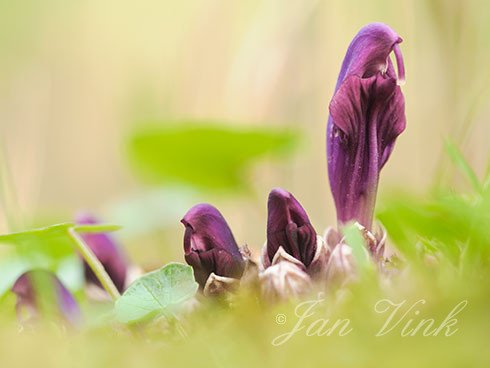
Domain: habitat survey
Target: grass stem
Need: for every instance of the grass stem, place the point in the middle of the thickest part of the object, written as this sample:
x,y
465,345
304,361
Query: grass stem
x,y
94,264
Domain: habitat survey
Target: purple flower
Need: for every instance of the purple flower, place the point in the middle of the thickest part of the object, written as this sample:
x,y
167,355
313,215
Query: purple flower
x,y
209,244
107,252
29,300
288,226
366,117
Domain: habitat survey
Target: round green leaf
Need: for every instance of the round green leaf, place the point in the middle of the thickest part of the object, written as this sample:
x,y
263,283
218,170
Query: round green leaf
x,y
156,292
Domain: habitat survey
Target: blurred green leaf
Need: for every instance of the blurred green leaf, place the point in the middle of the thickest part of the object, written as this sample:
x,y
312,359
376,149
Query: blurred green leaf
x,y
42,245
156,292
203,155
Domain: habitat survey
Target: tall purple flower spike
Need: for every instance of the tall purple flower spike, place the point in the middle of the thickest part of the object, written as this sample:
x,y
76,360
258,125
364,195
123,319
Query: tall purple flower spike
x,y
288,226
366,117
107,252
28,298
209,244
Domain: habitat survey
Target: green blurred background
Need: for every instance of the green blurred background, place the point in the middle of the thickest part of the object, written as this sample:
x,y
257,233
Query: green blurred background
x,y
81,80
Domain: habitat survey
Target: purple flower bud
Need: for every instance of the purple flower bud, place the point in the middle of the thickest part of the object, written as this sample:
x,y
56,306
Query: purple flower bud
x,y
288,226
107,252
209,244
366,117
29,299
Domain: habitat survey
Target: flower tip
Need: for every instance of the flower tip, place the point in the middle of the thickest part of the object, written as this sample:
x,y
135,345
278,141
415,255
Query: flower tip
x,y
200,214
277,196
283,209
279,192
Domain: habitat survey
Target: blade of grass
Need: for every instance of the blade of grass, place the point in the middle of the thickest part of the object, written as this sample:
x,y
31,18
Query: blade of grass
x,y
458,159
94,264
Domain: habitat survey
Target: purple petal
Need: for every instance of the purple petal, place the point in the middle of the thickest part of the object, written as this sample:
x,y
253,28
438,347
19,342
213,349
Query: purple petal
x,y
288,226
219,261
28,297
366,117
209,244
107,252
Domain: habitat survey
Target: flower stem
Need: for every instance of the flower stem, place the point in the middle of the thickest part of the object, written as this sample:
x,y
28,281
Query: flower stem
x,y
94,264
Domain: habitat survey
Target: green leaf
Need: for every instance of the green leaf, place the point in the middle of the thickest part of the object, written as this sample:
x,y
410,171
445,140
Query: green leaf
x,y
203,155
156,293
43,246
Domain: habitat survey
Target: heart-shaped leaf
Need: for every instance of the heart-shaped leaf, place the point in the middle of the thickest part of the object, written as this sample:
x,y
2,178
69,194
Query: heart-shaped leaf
x,y
156,293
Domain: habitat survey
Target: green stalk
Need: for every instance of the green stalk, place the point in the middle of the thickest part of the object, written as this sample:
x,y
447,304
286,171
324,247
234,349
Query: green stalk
x,y
94,264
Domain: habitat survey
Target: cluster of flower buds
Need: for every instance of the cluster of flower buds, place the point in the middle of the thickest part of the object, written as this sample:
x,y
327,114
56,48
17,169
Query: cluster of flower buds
x,y
366,117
